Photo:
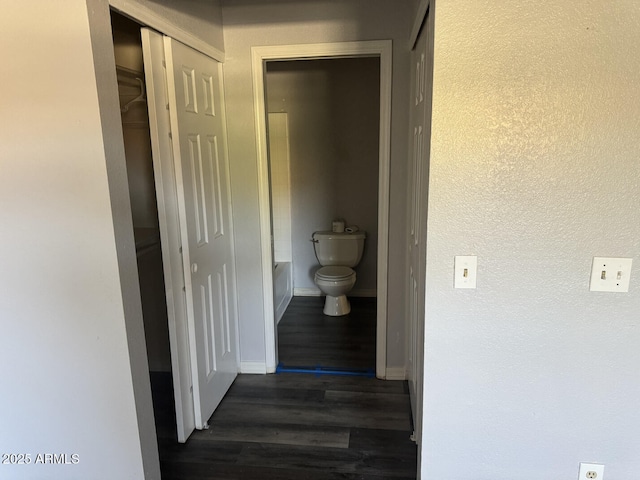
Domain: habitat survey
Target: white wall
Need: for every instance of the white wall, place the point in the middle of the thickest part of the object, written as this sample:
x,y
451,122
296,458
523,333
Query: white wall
x,y
534,168
333,109
68,371
249,23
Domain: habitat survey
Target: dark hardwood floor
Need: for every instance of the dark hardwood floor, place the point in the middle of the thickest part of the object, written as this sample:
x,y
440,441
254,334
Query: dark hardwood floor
x,y
307,337
300,426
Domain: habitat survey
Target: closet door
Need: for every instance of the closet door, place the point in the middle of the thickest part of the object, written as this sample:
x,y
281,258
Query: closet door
x,y
194,85
418,193
194,96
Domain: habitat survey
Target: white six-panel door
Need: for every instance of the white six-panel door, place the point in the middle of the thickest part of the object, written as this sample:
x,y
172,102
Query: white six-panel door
x,y
194,84
194,208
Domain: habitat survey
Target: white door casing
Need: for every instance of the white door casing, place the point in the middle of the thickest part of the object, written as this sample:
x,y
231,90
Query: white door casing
x,y
195,90
188,127
260,55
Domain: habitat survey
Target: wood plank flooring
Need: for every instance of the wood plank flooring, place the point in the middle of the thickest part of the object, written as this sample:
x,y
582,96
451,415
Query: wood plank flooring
x,y
297,426
307,337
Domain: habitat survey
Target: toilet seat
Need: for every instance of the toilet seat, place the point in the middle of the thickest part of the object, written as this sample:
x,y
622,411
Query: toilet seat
x,y
334,273
335,281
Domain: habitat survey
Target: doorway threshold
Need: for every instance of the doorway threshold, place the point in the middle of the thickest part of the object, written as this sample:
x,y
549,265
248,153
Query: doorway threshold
x,y
320,370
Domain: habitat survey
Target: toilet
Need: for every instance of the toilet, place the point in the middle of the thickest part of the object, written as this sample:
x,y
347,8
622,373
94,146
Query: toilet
x,y
337,253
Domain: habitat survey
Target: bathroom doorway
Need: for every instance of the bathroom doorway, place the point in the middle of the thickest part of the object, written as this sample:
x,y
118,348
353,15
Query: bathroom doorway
x,y
323,136
332,102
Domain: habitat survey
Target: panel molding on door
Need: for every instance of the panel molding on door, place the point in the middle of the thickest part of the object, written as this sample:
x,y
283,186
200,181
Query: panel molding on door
x,y
195,216
194,83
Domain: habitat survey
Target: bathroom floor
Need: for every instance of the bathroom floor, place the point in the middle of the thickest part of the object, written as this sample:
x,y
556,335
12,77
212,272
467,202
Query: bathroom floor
x,y
300,426
308,338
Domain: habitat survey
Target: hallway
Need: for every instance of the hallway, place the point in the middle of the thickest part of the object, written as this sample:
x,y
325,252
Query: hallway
x,y
300,426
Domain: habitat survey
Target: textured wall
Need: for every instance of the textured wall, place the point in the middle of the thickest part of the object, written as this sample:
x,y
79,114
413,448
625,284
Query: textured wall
x,y
68,375
250,23
333,109
534,168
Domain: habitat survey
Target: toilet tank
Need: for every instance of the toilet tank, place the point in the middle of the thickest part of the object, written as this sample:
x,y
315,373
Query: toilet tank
x,y
339,248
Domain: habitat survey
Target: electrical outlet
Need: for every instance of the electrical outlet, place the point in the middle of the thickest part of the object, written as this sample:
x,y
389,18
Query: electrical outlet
x,y
591,471
610,274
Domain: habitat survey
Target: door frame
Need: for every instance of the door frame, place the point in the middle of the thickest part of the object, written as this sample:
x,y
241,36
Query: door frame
x,y
381,49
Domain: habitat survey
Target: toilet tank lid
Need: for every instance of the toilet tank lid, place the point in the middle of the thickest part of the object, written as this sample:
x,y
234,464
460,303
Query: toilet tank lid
x,y
328,235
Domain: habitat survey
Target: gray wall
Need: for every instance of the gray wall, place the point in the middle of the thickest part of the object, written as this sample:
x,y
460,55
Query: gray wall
x,y
249,23
63,310
333,111
69,298
534,168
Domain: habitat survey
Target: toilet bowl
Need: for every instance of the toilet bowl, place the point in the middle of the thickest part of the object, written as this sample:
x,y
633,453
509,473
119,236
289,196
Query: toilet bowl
x,y
338,253
335,282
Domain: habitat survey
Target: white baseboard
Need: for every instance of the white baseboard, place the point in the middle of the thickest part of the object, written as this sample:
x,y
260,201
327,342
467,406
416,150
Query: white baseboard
x,y
314,292
306,292
397,373
258,368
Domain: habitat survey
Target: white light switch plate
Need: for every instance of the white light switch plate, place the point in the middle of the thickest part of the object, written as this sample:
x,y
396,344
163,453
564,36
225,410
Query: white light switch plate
x,y
610,274
465,271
